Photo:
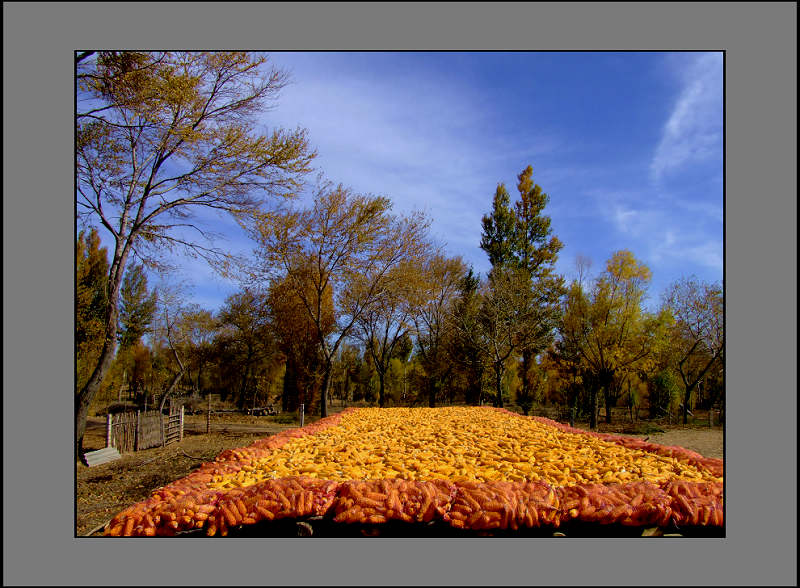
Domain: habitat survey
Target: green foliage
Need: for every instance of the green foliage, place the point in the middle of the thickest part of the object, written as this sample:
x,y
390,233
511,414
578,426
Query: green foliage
x,y
137,306
403,347
341,260
252,340
535,392
464,350
498,237
518,242
284,419
433,324
664,393
91,302
535,249
607,330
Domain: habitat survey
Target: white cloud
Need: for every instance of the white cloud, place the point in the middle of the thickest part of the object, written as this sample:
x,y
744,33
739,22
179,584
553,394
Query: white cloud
x,y
626,219
708,254
693,131
430,143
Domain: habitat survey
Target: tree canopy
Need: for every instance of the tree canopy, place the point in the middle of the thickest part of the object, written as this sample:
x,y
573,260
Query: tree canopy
x,y
347,247
161,136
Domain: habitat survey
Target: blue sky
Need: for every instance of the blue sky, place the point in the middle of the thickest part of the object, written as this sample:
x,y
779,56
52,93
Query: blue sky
x,y
627,145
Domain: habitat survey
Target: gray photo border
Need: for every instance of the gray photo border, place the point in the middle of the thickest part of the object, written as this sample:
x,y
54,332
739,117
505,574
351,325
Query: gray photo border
x,y
760,41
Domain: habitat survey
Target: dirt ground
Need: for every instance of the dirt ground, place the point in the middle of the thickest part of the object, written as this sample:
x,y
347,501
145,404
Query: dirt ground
x,y
104,490
705,440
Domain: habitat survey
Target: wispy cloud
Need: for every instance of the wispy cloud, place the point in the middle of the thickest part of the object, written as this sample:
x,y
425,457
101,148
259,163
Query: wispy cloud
x,y
673,237
430,143
677,246
434,136
693,131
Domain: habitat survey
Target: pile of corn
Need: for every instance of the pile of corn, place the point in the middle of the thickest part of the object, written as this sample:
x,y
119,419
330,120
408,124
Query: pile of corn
x,y
472,467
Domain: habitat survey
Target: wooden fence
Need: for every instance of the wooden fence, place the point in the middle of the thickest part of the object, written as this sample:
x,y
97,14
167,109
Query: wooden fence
x,y
134,431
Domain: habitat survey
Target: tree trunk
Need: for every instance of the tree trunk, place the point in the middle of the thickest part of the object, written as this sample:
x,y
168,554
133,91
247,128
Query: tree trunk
x,y
197,383
433,388
170,389
381,390
687,395
689,387
289,402
605,382
498,375
326,383
608,406
84,398
593,404
526,363
245,380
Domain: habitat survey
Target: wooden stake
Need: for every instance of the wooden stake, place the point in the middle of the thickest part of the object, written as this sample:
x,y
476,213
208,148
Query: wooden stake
x,y
208,416
109,439
136,433
302,406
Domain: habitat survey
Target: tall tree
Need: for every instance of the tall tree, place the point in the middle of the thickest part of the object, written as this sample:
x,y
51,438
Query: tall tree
x,y
298,337
137,310
432,318
536,252
499,227
346,246
171,333
465,351
201,328
137,306
505,312
248,312
91,300
520,237
383,325
162,136
698,331
609,328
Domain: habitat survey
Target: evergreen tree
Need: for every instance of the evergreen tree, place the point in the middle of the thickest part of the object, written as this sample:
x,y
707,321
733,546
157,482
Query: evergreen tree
x,y
519,238
137,307
91,299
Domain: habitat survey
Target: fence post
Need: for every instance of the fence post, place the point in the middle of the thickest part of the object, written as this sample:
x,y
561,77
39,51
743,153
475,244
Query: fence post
x,y
136,432
180,435
302,406
208,416
163,425
109,440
